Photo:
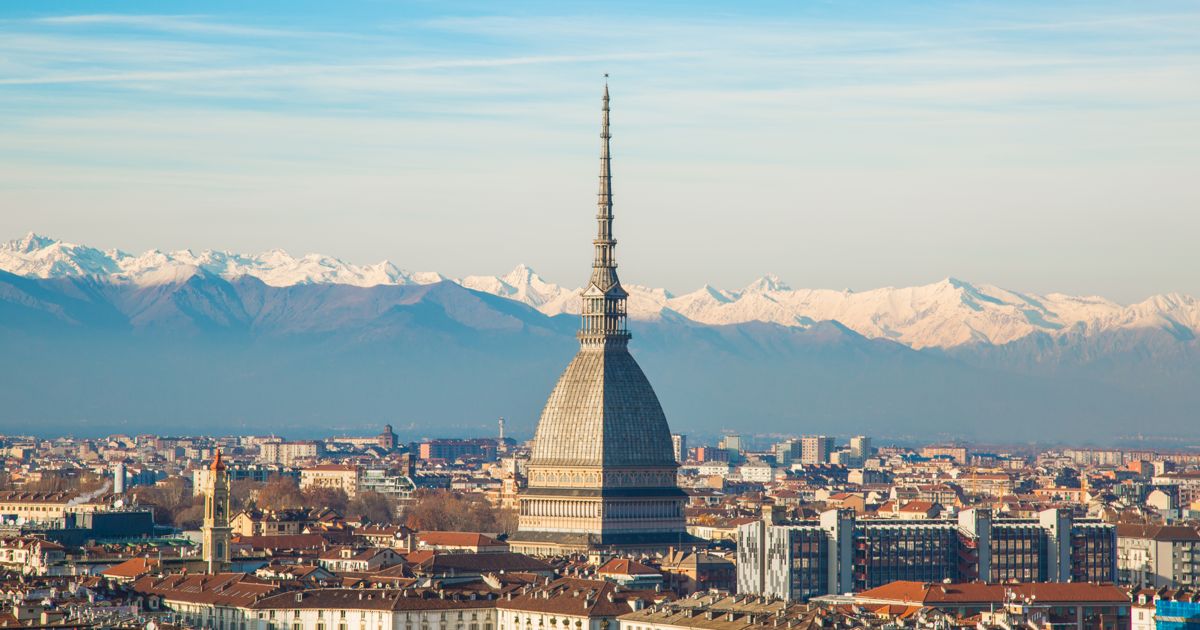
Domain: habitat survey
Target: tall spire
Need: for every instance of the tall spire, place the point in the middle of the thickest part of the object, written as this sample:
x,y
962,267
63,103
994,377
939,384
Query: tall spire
x,y
604,299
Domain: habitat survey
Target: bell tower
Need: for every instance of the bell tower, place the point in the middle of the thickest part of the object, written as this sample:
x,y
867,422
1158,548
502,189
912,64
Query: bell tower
x,y
216,531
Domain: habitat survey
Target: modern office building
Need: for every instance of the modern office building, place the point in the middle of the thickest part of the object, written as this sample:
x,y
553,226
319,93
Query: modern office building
x,y
839,553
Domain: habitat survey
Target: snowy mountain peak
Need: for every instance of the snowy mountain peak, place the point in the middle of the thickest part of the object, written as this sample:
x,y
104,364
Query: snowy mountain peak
x,y
522,275
43,257
524,285
945,314
766,284
30,242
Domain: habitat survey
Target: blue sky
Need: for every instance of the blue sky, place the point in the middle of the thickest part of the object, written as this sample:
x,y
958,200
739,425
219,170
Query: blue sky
x,y
1038,146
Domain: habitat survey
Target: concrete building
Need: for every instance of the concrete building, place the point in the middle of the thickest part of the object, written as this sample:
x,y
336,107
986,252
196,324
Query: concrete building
x,y
679,445
787,452
815,449
288,453
860,446
1158,555
840,553
602,471
731,444
453,450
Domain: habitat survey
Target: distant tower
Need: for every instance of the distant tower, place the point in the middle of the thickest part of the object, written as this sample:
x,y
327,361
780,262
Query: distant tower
x,y
119,478
679,445
216,531
387,439
501,428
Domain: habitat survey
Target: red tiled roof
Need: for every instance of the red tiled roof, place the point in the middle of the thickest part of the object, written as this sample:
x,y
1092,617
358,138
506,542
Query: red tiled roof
x,y
282,541
333,467
577,597
224,589
367,599
131,568
1158,532
458,539
625,566
904,592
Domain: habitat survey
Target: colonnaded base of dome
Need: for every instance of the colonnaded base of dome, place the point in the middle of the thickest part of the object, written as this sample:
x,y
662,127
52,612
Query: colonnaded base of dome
x,y
558,543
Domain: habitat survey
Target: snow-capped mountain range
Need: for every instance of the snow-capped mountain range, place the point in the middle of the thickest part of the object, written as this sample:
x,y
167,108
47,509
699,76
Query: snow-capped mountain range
x,y
946,314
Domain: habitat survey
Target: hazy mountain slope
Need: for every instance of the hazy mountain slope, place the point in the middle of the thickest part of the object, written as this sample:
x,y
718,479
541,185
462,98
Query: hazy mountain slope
x,y
98,341
209,354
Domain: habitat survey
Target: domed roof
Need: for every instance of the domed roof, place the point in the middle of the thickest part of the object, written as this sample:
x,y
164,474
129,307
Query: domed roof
x,y
603,412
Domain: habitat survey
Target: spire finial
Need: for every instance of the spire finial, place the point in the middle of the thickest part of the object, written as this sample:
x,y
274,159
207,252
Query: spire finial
x,y
604,299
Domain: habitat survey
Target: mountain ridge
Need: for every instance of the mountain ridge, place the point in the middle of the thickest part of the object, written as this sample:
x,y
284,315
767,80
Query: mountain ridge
x,y
89,354
947,314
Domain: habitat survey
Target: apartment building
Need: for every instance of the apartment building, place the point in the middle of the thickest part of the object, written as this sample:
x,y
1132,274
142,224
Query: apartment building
x,y
1158,555
840,553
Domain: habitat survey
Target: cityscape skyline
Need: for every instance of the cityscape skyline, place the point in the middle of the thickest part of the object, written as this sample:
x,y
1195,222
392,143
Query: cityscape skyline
x,y
1025,146
216,439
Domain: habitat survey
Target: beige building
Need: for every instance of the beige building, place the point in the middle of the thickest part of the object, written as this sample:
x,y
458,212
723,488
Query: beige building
x,y
815,449
40,507
344,477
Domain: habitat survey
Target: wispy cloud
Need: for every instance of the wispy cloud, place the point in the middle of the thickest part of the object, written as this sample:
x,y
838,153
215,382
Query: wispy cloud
x,y
190,24
319,69
719,107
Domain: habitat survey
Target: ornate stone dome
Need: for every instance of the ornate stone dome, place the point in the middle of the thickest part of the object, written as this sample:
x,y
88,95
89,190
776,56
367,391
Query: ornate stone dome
x,y
603,412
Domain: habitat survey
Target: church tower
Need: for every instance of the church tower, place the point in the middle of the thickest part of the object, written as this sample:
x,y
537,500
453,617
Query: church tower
x,y
216,531
602,471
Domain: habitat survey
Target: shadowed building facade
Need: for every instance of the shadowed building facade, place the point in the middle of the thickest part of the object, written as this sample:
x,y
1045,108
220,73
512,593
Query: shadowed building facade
x,y
602,471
